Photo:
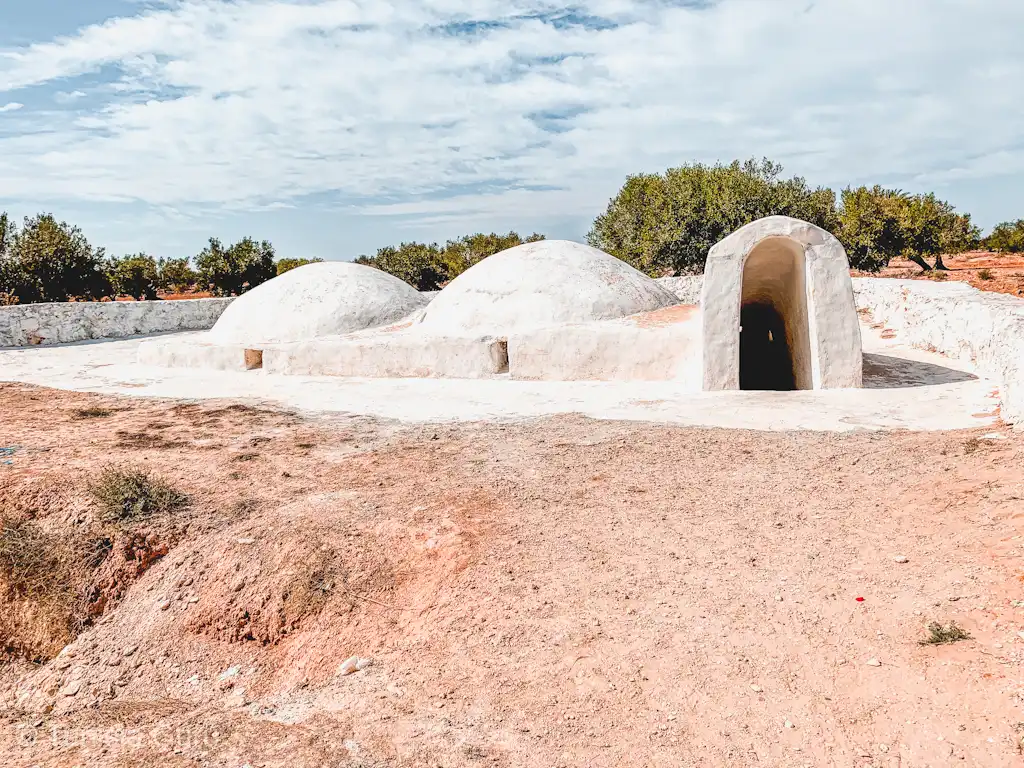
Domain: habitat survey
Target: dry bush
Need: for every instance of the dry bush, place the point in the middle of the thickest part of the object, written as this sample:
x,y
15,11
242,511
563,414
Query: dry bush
x,y
133,495
90,413
43,580
944,634
986,274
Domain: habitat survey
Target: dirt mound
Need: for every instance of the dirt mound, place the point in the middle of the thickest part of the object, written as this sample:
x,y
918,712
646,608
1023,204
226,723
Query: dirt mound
x,y
565,592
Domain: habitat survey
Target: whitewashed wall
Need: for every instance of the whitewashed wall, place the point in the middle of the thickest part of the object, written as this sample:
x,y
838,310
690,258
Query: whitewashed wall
x,y
958,321
26,324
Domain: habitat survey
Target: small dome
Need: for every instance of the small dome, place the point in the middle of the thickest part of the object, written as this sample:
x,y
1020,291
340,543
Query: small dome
x,y
314,300
536,285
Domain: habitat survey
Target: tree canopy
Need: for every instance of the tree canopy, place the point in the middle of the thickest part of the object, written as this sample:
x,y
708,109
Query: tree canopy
x,y
1007,237
240,267
665,224
50,260
877,225
428,267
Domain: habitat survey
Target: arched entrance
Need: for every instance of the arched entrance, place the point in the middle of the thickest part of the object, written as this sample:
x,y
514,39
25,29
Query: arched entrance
x,y
787,284
774,343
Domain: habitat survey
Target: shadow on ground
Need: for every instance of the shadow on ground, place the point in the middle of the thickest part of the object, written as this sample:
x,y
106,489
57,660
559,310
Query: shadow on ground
x,y
885,372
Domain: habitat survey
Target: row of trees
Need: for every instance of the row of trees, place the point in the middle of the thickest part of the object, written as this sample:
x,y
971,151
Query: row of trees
x,y
50,260
427,267
662,224
665,224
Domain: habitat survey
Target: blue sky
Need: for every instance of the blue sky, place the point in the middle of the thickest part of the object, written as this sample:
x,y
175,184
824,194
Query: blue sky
x,y
333,127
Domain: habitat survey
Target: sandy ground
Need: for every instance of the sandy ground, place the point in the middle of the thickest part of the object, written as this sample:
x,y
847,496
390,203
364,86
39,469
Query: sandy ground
x,y
560,592
986,271
905,388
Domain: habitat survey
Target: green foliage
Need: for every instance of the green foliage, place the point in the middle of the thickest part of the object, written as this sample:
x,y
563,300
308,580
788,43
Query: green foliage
x,y
176,275
472,249
49,260
665,224
286,265
239,268
8,270
136,275
429,267
1007,237
877,225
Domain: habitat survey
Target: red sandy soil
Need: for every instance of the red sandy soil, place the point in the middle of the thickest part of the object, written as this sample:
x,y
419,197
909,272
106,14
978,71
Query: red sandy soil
x,y
563,592
996,272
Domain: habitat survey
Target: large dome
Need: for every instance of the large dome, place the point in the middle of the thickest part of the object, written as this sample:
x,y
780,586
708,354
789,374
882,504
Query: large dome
x,y
316,300
536,285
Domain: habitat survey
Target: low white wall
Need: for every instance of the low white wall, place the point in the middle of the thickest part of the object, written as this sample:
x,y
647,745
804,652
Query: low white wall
x,y
27,324
956,320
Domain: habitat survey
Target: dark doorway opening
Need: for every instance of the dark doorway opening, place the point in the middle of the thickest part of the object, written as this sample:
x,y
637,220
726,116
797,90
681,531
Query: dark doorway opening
x,y
766,361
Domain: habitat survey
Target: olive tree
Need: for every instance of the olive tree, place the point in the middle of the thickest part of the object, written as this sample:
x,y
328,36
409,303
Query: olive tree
x,y
1007,237
49,260
286,265
665,223
232,271
136,275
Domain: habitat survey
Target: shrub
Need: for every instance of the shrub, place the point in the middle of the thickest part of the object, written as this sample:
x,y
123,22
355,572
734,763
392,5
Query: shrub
x,y
131,495
176,275
286,265
986,274
49,260
43,581
1007,237
239,268
137,276
665,224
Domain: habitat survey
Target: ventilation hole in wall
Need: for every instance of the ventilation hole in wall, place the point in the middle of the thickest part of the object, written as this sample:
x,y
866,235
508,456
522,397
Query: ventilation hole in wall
x,y
253,359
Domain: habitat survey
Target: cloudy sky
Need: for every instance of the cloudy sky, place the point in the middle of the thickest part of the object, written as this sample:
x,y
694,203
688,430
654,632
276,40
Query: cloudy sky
x,y
332,127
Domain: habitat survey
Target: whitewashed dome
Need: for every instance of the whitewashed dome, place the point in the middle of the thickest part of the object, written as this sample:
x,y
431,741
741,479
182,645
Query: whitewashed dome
x,y
536,285
315,300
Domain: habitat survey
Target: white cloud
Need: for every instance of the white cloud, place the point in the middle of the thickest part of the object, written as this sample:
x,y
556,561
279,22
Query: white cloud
x,y
260,102
12,106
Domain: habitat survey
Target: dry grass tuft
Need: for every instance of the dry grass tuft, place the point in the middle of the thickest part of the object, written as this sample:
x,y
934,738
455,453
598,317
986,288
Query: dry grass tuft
x,y
944,634
132,495
43,578
90,413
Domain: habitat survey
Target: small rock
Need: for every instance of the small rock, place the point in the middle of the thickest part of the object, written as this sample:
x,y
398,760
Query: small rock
x,y
71,688
756,688
245,541
63,663
874,663
788,724
193,599
228,673
163,605
353,664
883,747
902,559
130,650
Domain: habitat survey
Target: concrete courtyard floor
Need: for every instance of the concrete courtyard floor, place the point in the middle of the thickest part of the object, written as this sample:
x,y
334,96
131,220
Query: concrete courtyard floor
x,y
904,388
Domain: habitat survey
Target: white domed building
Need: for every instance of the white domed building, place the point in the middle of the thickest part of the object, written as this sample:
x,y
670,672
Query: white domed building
x,y
777,312
540,285
313,301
